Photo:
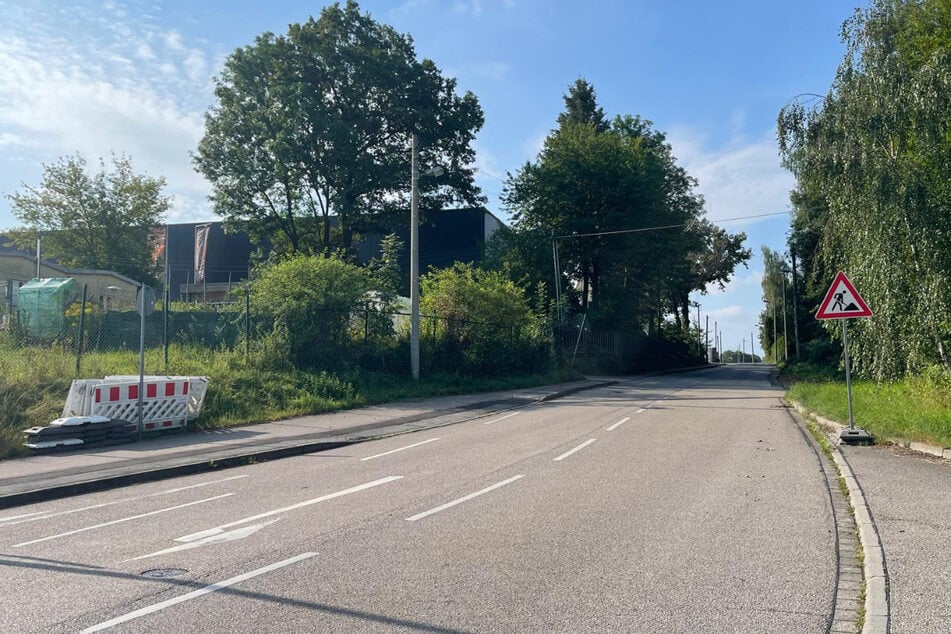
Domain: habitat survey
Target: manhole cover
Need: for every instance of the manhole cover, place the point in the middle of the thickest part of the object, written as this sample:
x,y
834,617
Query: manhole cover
x,y
164,573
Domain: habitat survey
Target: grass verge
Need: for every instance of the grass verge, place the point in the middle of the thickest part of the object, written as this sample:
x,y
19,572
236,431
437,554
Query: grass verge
x,y
916,408
34,384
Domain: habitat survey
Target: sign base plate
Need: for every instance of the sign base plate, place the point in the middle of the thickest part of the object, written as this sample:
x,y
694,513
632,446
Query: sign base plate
x,y
856,437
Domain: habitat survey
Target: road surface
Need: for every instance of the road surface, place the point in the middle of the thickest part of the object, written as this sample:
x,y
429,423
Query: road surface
x,y
690,502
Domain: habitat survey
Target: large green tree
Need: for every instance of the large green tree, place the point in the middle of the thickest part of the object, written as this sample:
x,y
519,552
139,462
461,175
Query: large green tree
x,y
317,123
95,220
873,196
590,186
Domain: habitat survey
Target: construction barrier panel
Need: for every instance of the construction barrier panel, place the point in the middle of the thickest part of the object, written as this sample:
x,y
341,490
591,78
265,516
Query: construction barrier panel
x,y
167,401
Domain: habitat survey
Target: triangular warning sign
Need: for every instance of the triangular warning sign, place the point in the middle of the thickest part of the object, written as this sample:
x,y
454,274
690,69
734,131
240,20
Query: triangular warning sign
x,y
842,301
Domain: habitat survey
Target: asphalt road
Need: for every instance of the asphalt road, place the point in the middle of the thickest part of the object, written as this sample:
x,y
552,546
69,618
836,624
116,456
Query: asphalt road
x,y
689,502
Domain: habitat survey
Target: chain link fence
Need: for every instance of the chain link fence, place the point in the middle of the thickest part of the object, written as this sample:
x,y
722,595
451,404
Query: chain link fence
x,y
376,337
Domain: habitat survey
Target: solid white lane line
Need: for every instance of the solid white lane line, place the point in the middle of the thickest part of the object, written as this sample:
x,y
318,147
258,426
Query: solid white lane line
x,y
578,448
286,509
386,453
465,498
197,593
7,521
490,422
201,484
618,424
120,521
16,517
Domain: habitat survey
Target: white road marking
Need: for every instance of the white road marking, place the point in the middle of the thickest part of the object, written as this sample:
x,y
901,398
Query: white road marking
x,y
197,593
220,538
640,410
386,453
618,424
120,521
260,516
8,521
16,517
578,448
490,422
465,498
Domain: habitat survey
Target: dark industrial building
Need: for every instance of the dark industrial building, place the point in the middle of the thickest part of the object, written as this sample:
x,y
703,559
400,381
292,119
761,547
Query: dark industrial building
x,y
448,236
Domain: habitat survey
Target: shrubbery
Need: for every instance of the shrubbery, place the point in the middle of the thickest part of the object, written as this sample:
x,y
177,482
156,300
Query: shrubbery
x,y
331,315
482,323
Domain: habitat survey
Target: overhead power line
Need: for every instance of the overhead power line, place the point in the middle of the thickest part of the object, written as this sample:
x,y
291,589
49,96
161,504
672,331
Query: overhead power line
x,y
684,224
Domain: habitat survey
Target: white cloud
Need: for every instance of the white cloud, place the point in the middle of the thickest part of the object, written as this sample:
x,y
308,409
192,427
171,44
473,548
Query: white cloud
x,y
496,71
196,66
741,281
10,139
533,146
472,8
737,179
144,51
106,90
726,311
173,40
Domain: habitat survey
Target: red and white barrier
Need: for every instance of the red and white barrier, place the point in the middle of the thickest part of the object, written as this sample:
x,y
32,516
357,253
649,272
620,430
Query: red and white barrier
x,y
164,403
167,401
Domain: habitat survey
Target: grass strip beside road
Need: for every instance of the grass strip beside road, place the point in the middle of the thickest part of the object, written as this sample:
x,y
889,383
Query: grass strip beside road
x,y
34,383
915,408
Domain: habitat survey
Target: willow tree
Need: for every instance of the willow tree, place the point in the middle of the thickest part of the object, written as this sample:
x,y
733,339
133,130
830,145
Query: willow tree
x,y
878,148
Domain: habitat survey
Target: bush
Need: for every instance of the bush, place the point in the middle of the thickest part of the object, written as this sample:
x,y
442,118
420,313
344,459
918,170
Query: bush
x,y
312,300
482,324
822,351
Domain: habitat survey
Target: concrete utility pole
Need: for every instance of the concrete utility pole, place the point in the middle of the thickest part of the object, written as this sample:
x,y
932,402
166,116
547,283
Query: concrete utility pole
x,y
785,327
699,343
752,354
795,299
706,339
414,261
414,253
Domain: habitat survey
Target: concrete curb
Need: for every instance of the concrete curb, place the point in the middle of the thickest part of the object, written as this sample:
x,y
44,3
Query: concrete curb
x,y
213,462
877,613
911,445
162,473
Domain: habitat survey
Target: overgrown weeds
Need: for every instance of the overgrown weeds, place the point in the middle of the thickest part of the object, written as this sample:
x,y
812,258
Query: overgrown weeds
x,y
242,390
916,408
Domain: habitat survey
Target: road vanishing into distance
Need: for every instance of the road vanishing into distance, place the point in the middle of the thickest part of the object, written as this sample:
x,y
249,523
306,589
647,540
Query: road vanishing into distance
x,y
687,502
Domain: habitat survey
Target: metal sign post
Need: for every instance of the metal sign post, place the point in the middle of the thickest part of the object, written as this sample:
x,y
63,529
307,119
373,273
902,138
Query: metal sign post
x,y
848,370
841,302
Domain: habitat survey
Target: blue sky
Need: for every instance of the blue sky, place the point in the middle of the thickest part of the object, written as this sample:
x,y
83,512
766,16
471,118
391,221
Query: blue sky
x,y
136,77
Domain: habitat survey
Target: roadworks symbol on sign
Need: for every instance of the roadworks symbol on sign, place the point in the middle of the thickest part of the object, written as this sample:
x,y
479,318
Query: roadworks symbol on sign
x,y
843,301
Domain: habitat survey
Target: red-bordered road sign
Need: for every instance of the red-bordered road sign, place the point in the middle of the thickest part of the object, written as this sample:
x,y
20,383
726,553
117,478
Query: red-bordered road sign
x,y
842,301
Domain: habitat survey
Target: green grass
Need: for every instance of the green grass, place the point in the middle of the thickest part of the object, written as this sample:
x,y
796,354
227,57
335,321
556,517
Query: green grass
x,y
916,408
34,383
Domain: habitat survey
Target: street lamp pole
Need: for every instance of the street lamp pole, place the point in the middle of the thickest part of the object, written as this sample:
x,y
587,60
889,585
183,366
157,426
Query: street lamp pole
x,y
414,261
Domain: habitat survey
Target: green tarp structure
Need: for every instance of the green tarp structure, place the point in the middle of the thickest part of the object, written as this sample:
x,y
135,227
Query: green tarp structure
x,y
43,302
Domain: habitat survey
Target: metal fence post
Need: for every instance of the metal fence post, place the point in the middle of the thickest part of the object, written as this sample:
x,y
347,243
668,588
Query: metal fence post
x,y
366,324
247,322
165,325
82,328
